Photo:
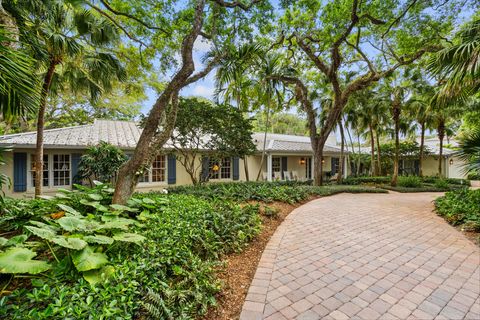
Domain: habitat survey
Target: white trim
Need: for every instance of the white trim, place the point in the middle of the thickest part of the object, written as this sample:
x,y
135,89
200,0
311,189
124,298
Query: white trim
x,y
50,171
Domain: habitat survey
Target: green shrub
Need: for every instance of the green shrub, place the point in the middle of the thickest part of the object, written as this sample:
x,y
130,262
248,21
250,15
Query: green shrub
x,y
441,184
460,207
184,239
451,181
409,182
366,180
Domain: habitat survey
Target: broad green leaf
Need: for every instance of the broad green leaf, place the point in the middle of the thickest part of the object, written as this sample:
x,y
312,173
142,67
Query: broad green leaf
x,y
87,259
43,225
148,201
95,196
97,183
13,241
95,276
19,260
95,204
120,207
44,197
43,233
70,242
98,239
129,237
72,223
144,215
3,241
69,209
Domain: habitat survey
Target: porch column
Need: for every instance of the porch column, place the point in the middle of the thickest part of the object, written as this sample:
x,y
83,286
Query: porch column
x,y
345,166
269,167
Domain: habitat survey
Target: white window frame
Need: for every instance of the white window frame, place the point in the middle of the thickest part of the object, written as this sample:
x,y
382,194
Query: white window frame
x,y
150,181
219,172
50,156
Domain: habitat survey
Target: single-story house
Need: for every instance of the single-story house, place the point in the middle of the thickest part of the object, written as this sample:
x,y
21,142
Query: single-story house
x,y
287,157
452,165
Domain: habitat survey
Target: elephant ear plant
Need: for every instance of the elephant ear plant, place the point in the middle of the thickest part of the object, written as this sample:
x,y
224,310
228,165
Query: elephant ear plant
x,y
82,236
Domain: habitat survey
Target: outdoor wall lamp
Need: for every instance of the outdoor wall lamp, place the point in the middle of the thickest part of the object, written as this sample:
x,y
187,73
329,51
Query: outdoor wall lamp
x,y
302,160
323,160
451,162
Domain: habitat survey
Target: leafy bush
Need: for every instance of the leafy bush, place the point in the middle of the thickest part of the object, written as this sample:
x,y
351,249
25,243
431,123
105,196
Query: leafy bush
x,y
409,182
288,192
366,180
451,181
473,176
460,207
441,184
101,163
184,237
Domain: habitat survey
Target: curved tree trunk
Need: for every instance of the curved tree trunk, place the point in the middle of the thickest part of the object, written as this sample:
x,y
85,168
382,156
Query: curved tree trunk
x,y
422,142
150,141
47,81
396,109
441,136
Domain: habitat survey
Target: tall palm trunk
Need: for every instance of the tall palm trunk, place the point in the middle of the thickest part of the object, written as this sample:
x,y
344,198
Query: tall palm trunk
x,y
396,109
422,142
262,161
373,170
47,82
441,136
359,154
245,159
353,150
379,155
342,153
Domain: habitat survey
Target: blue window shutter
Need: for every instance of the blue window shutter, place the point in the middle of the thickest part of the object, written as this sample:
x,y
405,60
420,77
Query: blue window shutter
x,y
76,157
172,169
205,168
283,166
236,168
19,172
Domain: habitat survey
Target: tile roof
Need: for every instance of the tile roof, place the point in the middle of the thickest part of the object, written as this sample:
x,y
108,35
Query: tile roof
x,y
125,134
290,143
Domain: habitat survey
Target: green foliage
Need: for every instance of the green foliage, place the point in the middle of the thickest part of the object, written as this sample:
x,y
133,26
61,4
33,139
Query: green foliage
x,y
202,125
182,239
441,184
409,182
366,180
19,260
470,151
460,207
101,163
4,179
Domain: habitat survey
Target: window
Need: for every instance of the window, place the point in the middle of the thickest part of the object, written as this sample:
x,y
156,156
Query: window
x,y
158,169
61,169
276,165
45,169
335,165
220,169
157,172
226,168
213,168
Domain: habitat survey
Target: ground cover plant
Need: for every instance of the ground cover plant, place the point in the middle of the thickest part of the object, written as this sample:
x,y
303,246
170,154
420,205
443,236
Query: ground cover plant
x,y
410,183
460,208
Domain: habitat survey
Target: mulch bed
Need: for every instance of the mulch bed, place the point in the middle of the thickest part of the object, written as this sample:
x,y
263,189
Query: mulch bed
x,y
239,268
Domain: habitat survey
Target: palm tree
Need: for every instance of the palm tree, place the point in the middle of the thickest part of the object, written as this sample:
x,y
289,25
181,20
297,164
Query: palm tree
x,y
67,42
470,151
19,90
459,63
419,108
231,81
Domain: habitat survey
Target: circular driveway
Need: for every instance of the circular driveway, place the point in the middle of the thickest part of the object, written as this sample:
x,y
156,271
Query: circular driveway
x,y
366,256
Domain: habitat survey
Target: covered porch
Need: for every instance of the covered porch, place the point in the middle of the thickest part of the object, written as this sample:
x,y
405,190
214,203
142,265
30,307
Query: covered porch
x,y
300,167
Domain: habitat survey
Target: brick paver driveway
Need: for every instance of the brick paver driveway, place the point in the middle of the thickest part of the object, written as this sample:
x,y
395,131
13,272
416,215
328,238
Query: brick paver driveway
x,y
366,256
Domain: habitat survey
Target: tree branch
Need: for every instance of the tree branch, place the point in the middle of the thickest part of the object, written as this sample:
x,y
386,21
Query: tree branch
x,y
118,25
119,13
236,4
394,22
